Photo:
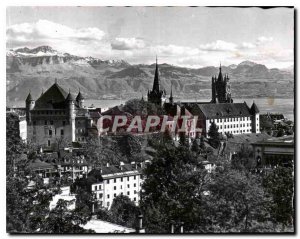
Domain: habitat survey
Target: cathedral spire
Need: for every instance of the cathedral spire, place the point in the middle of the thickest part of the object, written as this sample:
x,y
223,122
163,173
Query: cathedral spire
x,y
156,79
171,94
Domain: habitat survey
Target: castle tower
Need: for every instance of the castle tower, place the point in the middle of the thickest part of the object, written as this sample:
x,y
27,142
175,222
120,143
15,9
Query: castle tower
x,y
80,100
71,114
30,103
255,118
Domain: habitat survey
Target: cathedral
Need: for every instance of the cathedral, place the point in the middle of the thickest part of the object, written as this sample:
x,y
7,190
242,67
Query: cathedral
x,y
156,96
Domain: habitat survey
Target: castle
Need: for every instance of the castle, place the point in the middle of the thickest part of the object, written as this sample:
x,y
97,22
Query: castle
x,y
56,116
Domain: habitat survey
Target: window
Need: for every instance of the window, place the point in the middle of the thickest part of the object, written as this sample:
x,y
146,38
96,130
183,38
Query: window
x,y
122,194
50,132
134,177
51,122
95,188
61,132
134,185
135,191
34,122
45,122
115,180
121,179
107,195
49,143
115,195
134,199
107,204
121,187
100,195
64,123
115,187
127,178
107,181
128,186
128,193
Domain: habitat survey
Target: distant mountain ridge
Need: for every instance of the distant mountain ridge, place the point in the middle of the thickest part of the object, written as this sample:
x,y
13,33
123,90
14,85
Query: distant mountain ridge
x,y
33,69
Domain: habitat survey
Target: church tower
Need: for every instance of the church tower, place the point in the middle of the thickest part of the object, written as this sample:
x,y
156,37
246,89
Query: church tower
x,y
156,95
220,88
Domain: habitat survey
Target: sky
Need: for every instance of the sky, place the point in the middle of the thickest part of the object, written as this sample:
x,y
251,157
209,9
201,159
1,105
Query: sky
x,y
184,36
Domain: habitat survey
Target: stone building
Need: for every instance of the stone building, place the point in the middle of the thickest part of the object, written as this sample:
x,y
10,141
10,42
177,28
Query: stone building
x,y
56,116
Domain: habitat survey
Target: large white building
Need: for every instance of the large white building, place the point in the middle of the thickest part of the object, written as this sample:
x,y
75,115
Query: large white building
x,y
233,118
124,179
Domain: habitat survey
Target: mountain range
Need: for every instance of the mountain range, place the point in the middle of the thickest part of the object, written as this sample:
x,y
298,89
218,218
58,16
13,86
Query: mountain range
x,y
36,69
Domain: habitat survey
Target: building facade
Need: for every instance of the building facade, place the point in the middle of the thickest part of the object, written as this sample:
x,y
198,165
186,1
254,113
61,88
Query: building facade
x,y
124,179
274,151
56,115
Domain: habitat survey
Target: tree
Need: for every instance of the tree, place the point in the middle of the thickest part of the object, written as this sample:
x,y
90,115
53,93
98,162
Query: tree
x,y
173,189
195,146
236,202
123,211
213,134
62,220
280,185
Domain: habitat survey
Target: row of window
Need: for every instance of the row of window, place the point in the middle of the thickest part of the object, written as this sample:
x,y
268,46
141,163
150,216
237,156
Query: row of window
x,y
48,112
238,131
50,132
115,195
50,122
121,179
229,120
99,187
234,125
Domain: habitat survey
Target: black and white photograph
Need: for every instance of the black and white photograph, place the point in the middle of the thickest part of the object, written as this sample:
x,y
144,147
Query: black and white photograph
x,y
150,120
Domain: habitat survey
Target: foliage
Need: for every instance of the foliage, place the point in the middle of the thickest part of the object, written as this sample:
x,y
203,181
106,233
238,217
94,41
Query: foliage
x,y
124,211
279,184
214,135
63,220
172,189
236,202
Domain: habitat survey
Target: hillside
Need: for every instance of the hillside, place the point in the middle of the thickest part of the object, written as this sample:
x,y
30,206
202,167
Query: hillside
x,y
34,69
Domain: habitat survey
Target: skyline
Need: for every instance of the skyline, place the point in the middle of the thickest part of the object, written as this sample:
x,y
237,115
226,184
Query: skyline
x,y
136,34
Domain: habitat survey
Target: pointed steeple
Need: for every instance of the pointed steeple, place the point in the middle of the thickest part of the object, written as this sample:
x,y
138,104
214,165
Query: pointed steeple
x,y
70,96
156,79
29,97
79,96
220,77
171,94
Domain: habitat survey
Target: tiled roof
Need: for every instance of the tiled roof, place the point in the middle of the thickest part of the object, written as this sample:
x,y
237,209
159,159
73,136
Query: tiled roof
x,y
224,110
54,98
